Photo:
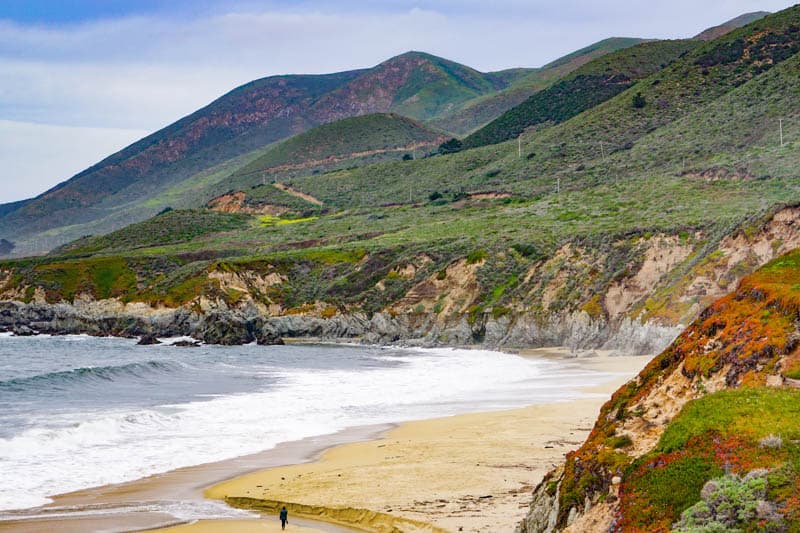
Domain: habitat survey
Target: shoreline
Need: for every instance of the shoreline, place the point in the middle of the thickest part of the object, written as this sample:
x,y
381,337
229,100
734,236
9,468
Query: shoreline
x,y
111,505
124,506
468,472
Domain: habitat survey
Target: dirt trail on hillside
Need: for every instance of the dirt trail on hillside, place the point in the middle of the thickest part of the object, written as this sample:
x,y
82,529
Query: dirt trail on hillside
x,y
297,194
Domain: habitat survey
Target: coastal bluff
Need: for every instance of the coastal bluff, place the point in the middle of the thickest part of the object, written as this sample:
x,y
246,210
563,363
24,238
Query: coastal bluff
x,y
718,408
632,295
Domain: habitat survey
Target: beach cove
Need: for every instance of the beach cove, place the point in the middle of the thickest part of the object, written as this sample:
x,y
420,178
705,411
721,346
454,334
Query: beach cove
x,y
473,470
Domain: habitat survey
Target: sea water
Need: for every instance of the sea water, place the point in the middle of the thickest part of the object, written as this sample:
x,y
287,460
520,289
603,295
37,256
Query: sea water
x,y
78,412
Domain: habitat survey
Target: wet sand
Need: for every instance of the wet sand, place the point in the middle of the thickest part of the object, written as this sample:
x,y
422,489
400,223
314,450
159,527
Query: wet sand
x,y
145,503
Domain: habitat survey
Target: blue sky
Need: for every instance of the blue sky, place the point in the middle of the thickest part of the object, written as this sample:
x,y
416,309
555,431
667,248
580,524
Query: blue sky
x,y
80,79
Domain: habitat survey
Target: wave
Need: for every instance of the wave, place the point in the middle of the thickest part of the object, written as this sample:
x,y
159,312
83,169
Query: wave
x,y
88,375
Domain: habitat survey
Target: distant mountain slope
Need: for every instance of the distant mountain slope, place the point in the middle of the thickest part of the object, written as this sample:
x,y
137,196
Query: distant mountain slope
x,y
254,115
522,84
330,144
601,145
716,32
589,85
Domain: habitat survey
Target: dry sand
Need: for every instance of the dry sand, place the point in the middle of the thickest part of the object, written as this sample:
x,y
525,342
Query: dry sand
x,y
463,473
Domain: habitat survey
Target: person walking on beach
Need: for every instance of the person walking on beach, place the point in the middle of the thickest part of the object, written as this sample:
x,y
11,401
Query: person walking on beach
x,y
284,517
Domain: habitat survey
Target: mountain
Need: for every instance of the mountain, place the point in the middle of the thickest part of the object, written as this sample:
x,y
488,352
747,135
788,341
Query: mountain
x,y
522,84
612,227
261,112
588,86
718,31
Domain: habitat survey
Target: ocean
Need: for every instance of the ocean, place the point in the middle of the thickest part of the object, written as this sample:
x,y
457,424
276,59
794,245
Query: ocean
x,y
78,411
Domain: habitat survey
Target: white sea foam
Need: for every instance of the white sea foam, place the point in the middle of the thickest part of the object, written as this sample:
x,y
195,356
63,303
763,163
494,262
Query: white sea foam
x,y
70,451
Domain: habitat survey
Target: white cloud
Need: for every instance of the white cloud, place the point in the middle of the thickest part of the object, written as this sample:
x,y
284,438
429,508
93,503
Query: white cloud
x,y
36,156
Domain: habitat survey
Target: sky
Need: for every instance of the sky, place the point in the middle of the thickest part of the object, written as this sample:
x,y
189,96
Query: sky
x,y
81,79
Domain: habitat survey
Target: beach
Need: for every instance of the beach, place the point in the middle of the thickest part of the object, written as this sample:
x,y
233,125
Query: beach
x,y
470,472
466,472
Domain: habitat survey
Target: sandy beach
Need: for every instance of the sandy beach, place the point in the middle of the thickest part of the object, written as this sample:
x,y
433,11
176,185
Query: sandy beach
x,y
469,472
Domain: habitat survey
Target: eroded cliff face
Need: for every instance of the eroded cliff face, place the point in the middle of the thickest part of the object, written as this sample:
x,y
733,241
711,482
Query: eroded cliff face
x,y
749,338
632,294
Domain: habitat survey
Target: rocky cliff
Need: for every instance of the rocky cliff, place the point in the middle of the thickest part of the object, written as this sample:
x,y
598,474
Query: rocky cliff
x,y
717,409
631,293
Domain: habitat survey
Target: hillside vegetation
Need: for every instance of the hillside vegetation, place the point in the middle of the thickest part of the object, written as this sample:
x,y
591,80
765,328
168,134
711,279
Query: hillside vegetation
x,y
337,144
250,117
522,84
705,438
588,86
716,32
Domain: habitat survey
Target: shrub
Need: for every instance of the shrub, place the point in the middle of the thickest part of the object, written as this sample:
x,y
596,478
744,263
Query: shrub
x,y
476,256
639,101
732,503
527,250
450,147
620,441
499,311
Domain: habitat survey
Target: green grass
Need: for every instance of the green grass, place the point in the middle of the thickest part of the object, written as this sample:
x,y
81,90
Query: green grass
x,y
751,413
168,228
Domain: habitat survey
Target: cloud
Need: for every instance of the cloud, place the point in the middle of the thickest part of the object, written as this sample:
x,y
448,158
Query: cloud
x,y
144,71
35,156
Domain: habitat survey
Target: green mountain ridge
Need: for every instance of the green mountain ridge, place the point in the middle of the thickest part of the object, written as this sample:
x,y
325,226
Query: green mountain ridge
x,y
522,84
189,154
586,87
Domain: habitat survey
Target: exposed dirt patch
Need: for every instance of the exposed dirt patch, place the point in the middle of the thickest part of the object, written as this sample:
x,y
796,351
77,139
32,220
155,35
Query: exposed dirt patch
x,y
663,254
354,155
720,174
452,291
297,194
490,195
235,203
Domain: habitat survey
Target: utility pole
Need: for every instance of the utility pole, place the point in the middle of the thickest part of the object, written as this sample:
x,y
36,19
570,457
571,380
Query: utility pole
x,y
780,122
602,151
558,185
519,146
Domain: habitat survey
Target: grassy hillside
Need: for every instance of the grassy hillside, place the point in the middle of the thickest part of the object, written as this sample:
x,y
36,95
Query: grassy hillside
x,y
337,143
169,228
522,83
588,86
705,403
249,117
